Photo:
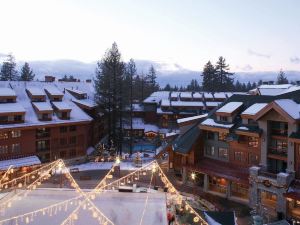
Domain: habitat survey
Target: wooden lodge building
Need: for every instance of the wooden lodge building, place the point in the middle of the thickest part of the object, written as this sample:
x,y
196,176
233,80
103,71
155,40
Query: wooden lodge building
x,y
47,119
246,150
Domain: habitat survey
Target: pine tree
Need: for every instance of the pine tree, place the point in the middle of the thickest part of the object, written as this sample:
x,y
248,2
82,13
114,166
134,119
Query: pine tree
x,y
130,73
225,78
209,77
150,80
193,86
167,87
26,73
281,78
108,87
8,69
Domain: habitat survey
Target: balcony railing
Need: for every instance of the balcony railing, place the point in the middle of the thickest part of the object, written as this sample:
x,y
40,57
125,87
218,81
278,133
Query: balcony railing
x,y
267,174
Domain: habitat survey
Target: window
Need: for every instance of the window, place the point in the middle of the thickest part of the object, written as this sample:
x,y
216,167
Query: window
x,y
252,122
62,154
279,128
72,152
45,116
63,129
222,136
253,159
63,141
279,146
72,128
223,153
17,117
210,135
253,142
15,133
3,149
3,119
238,156
224,118
72,140
42,145
3,135
210,150
42,132
16,148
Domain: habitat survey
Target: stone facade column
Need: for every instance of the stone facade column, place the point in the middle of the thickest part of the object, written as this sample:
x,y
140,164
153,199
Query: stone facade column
x,y
264,143
253,187
291,152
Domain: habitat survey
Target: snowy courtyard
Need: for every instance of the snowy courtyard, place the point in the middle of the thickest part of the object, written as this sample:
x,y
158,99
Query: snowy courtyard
x,y
121,208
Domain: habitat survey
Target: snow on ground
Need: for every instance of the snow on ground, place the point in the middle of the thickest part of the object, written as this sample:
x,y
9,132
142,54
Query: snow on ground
x,y
120,208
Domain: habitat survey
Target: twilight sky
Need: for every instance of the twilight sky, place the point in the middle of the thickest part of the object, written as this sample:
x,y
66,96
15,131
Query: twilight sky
x,y
253,35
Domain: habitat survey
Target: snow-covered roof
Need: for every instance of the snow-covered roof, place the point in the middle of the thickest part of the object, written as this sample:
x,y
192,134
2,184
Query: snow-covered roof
x,y
11,108
197,95
219,95
139,124
53,90
25,161
62,106
191,118
4,91
275,89
43,106
186,95
290,107
31,118
86,102
157,96
211,122
165,102
187,104
253,109
230,107
36,91
211,104
208,95
174,94
76,91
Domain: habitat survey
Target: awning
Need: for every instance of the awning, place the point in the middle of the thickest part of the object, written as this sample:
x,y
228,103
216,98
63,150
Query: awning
x,y
19,162
222,169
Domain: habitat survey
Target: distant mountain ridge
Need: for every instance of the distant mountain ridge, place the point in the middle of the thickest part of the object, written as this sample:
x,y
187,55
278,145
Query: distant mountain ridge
x,y
173,74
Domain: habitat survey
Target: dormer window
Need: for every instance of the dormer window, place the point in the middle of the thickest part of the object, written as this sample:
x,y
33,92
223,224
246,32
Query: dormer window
x,y
223,118
36,94
11,113
43,110
7,95
62,110
54,94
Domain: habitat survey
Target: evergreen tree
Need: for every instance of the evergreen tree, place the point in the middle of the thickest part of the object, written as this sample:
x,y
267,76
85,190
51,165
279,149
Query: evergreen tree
x,y
8,69
26,73
150,79
193,86
281,78
260,82
167,87
225,78
108,87
209,77
130,73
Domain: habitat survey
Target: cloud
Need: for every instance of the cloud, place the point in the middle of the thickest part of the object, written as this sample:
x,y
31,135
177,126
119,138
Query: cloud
x,y
295,60
254,53
2,55
247,68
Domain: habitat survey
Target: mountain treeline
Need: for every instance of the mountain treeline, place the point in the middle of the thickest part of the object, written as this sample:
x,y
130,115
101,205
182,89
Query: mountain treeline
x,y
218,78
